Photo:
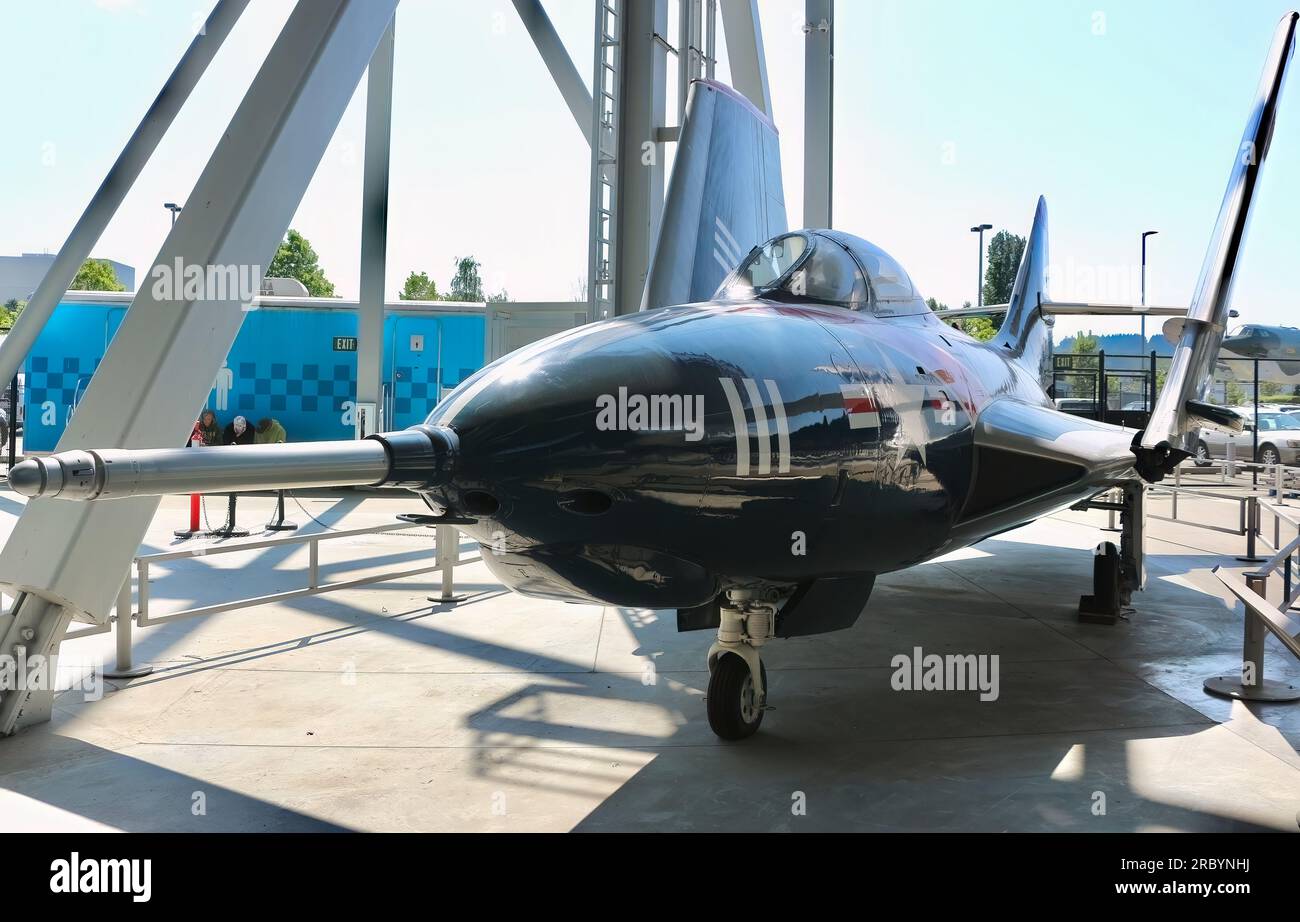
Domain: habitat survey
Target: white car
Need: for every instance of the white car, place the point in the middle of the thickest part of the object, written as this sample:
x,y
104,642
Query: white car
x,y
1279,439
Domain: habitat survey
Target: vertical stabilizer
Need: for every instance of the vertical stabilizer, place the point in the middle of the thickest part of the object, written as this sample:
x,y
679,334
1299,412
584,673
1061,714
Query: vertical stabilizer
x,y
724,198
1026,332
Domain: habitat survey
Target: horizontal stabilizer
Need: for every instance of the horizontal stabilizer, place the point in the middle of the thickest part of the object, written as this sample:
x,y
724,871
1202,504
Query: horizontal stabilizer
x,y
1171,433
1056,308
1207,415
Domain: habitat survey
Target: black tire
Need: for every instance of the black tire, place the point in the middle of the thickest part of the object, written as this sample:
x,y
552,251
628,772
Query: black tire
x,y
1202,454
1265,451
734,713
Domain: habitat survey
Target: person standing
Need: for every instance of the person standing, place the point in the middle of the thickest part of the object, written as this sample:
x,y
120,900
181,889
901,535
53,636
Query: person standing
x,y
269,431
239,432
209,428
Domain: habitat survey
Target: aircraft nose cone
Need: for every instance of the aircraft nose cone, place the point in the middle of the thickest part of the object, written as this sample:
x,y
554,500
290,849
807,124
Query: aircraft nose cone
x,y
30,477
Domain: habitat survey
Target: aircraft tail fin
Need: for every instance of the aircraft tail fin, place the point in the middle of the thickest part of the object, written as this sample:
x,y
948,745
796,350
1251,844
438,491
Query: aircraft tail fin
x,y
724,198
1026,333
1180,410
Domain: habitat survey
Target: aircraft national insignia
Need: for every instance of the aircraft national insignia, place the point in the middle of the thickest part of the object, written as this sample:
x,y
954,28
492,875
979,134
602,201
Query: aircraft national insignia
x,y
860,407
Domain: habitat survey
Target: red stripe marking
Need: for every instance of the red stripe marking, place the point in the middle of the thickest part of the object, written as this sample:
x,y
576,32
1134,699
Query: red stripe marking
x,y
859,405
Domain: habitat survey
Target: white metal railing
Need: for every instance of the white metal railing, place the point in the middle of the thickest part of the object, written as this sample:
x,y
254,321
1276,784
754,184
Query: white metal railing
x,y
446,556
1261,618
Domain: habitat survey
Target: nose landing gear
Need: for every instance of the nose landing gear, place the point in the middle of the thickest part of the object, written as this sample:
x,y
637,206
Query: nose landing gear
x,y
737,695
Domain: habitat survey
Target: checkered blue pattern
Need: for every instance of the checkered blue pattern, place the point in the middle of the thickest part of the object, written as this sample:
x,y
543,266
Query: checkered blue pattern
x,y
57,379
416,389
279,386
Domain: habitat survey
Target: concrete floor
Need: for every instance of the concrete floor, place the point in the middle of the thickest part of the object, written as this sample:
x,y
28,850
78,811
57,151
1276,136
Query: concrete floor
x,y
372,709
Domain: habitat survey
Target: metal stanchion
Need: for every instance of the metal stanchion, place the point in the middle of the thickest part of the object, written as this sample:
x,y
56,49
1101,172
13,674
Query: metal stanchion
x,y
278,523
448,553
228,529
124,668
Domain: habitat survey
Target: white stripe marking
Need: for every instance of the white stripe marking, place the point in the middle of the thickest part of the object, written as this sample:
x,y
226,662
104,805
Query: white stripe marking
x,y
782,428
740,424
760,420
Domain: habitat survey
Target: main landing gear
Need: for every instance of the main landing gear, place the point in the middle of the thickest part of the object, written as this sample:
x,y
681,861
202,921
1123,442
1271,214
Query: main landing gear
x,y
737,694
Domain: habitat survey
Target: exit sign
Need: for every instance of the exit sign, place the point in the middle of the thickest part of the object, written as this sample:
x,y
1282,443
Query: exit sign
x,y
345,344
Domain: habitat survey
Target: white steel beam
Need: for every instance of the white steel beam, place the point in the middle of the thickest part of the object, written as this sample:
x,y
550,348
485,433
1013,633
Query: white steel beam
x,y
121,176
374,225
563,71
744,38
68,559
642,101
818,112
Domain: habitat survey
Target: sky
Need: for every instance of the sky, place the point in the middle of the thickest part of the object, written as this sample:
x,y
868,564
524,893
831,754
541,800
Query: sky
x,y
1125,115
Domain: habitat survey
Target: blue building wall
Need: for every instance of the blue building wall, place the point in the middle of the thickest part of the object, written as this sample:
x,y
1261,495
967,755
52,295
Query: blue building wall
x,y
283,364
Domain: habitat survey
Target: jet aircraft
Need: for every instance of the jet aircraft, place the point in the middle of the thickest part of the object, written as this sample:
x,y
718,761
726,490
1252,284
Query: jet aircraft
x,y
752,448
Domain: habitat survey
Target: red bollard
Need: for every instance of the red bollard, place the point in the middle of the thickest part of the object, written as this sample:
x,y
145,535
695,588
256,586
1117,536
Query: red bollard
x,y
194,518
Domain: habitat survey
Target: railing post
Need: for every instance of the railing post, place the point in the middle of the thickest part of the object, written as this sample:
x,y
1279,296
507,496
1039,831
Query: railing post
x,y
1252,528
1231,469
1249,684
1252,647
313,564
1178,483
1279,486
122,635
447,554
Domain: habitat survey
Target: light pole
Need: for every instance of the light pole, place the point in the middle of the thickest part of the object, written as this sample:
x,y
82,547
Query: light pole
x,y
174,209
979,279
1145,235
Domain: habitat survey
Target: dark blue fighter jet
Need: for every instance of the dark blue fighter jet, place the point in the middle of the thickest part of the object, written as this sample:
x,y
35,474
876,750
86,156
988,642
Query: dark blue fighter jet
x,y
756,455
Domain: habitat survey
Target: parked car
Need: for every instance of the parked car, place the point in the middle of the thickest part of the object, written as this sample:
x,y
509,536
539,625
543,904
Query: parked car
x,y
1076,405
1279,438
8,411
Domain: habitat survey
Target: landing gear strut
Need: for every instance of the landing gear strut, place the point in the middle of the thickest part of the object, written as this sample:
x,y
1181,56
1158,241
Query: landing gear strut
x,y
737,694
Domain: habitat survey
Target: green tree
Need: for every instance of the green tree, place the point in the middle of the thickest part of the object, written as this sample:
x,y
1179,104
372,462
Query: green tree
x,y
96,275
1005,250
466,285
9,313
981,328
499,298
418,287
295,259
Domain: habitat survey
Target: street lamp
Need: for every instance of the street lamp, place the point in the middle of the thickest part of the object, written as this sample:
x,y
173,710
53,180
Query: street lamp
x,y
174,209
1145,235
979,279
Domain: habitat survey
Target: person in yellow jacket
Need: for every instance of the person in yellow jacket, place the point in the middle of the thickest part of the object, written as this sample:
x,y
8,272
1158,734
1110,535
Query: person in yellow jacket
x,y
269,431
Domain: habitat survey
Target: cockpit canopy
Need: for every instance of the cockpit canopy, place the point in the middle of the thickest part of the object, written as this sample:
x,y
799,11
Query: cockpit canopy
x,y
824,267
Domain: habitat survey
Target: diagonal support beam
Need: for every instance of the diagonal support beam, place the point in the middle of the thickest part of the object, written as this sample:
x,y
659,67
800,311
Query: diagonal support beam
x,y
744,36
558,62
121,176
68,559
374,226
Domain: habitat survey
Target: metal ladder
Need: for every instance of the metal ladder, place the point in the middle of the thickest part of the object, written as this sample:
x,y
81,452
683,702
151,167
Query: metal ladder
x,y
604,159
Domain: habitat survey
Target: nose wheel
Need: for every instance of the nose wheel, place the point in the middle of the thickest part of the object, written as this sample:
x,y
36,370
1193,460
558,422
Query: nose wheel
x,y
737,695
734,703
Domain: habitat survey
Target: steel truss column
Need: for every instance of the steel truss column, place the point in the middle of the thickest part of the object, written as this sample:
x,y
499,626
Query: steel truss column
x,y
374,231
66,558
818,117
640,172
116,184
